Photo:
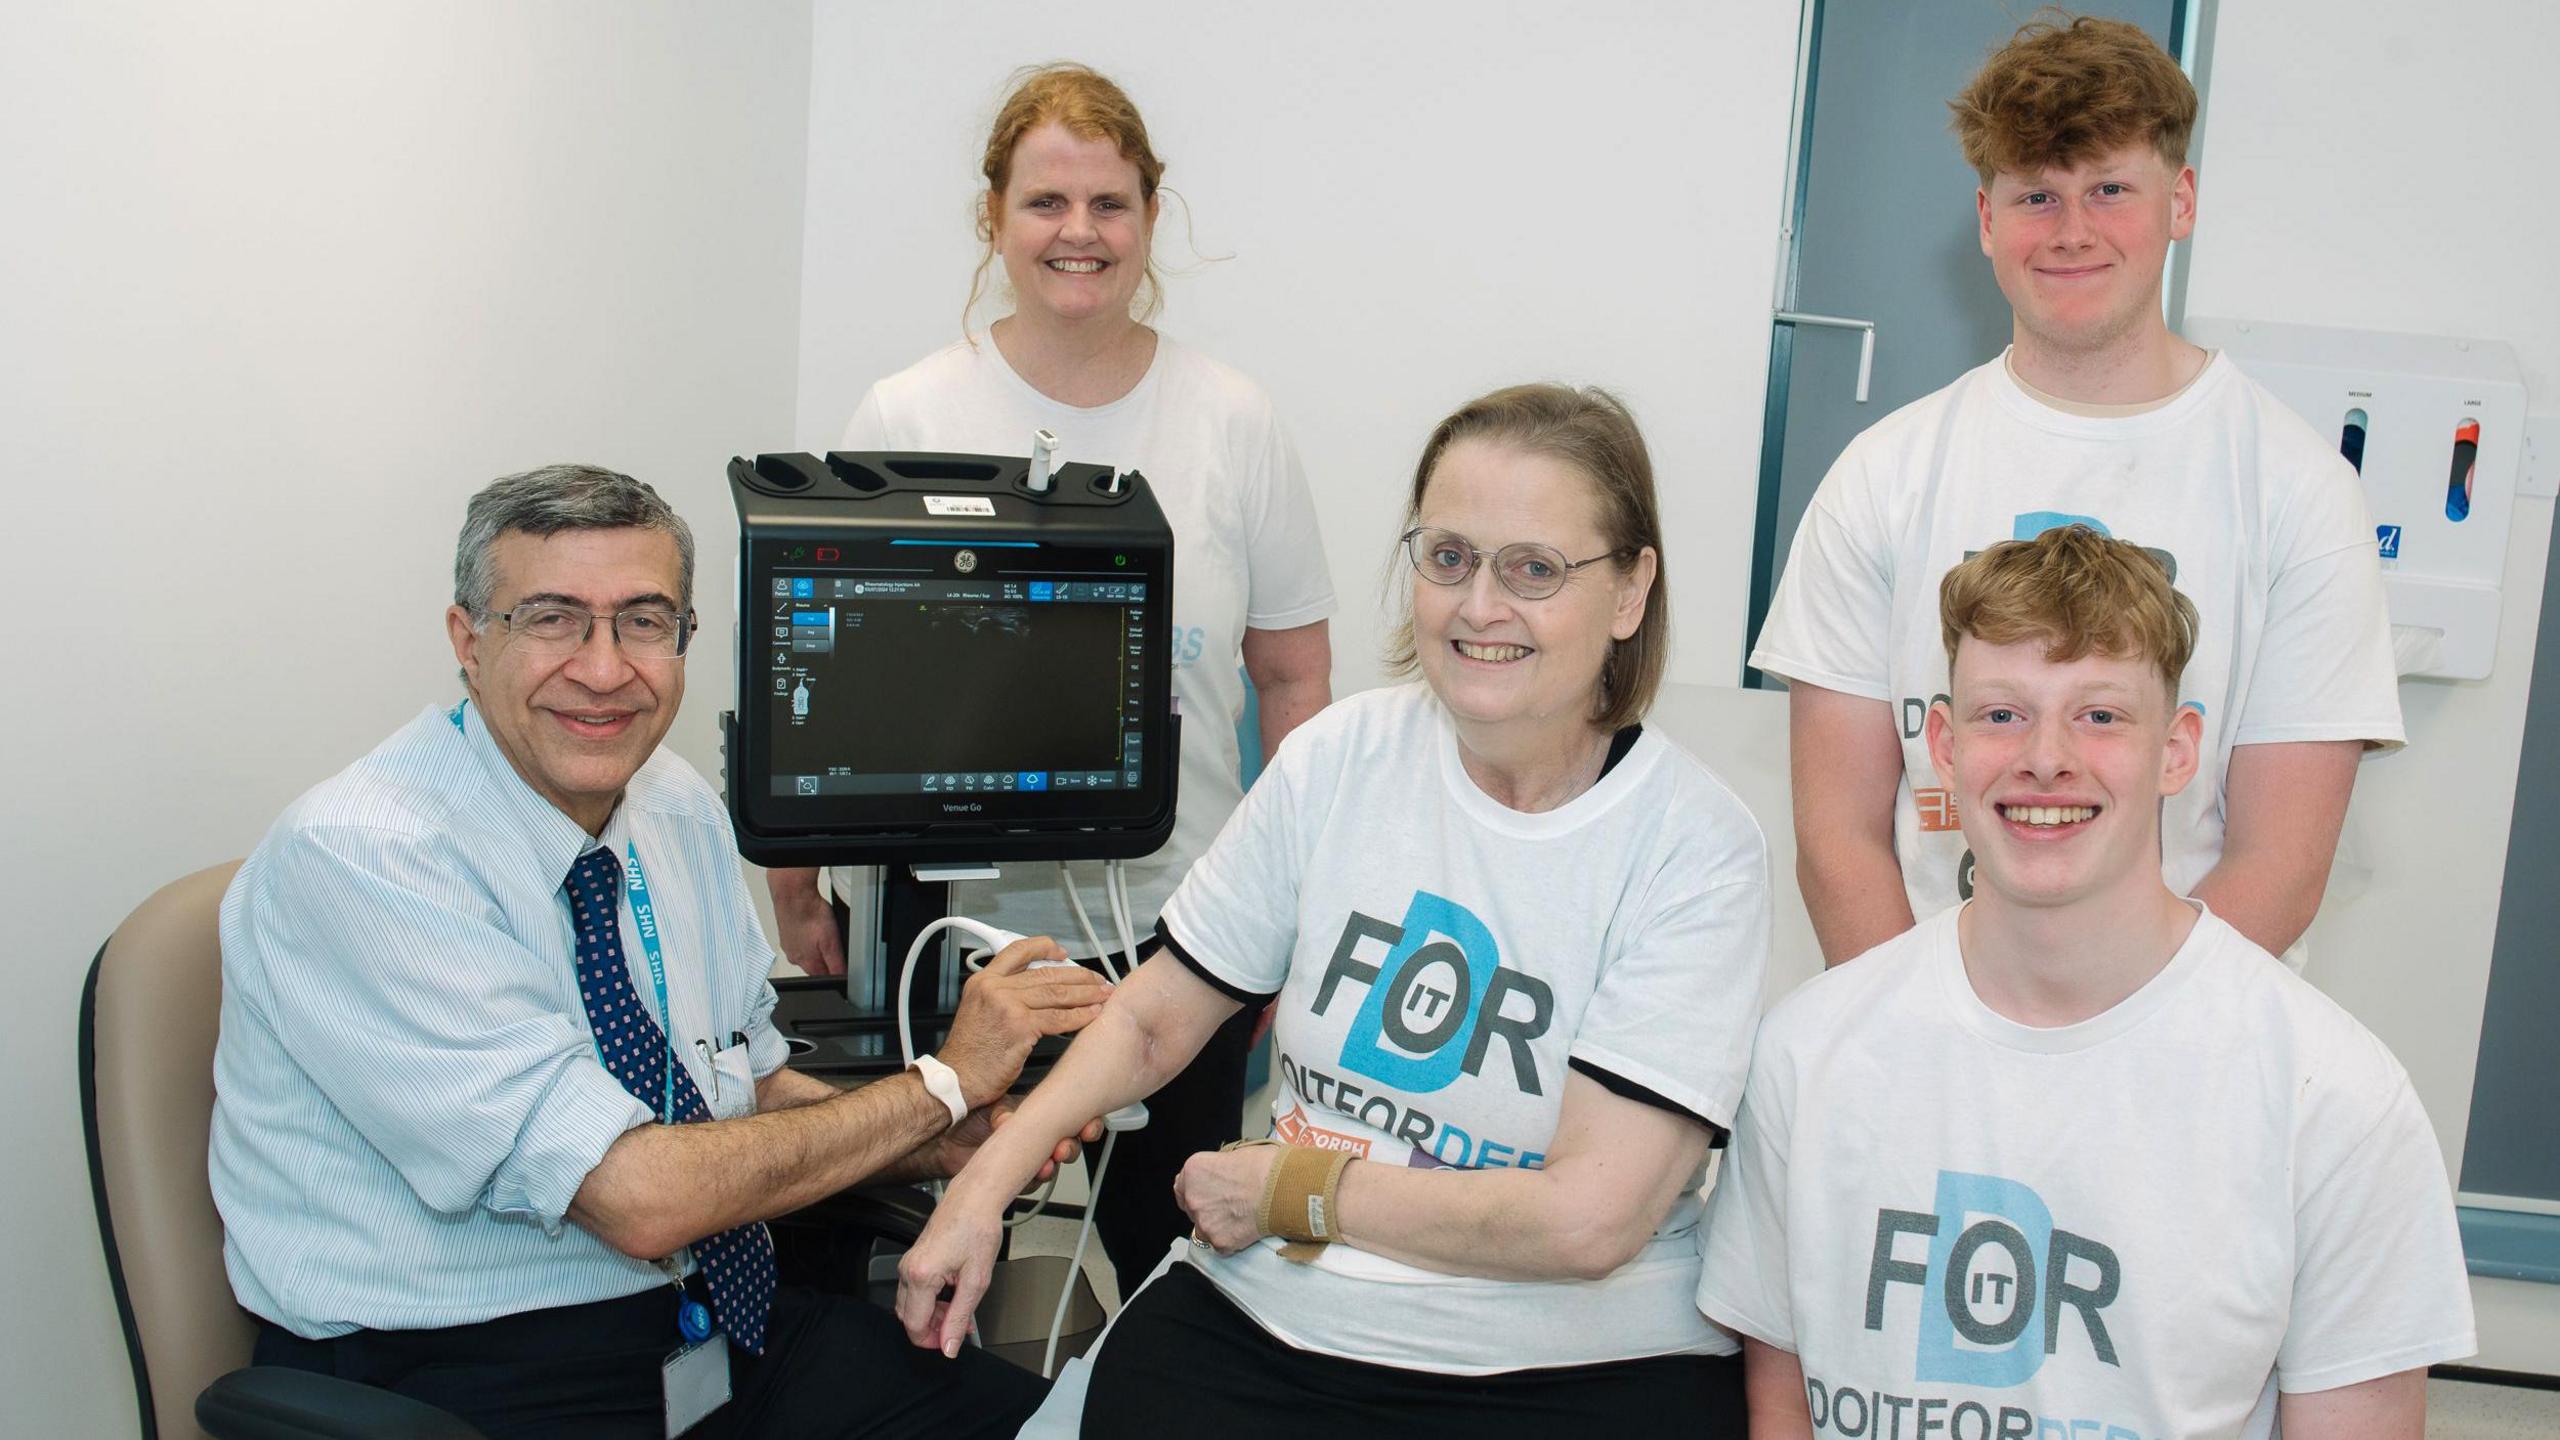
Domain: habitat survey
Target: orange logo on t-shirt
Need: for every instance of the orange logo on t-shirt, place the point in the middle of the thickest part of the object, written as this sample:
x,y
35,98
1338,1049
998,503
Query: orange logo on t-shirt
x,y
1293,1129
1937,809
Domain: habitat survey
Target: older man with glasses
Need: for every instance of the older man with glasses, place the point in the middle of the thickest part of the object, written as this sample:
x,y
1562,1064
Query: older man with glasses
x,y
501,1108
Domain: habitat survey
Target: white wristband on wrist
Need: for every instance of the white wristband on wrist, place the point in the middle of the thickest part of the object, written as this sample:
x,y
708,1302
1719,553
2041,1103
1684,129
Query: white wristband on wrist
x,y
943,1083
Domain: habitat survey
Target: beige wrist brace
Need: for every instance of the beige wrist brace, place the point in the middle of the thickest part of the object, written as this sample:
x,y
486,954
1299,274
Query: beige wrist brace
x,y
1301,1201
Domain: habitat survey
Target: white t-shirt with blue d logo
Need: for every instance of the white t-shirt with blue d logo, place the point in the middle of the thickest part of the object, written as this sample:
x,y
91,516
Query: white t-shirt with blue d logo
x,y
1442,963
2143,1225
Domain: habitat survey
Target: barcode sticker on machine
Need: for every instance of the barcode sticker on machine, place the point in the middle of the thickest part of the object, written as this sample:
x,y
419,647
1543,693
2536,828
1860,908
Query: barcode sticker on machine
x,y
959,505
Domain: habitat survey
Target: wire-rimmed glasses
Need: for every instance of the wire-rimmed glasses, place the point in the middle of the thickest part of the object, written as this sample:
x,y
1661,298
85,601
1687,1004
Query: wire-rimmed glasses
x,y
1526,569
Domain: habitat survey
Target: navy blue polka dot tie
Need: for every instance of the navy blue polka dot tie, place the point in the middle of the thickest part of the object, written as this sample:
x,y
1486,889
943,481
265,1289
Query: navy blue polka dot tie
x,y
737,1264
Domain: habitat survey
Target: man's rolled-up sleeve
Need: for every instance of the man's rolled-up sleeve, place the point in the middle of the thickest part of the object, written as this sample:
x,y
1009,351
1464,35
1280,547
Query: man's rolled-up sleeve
x,y
436,1033
733,915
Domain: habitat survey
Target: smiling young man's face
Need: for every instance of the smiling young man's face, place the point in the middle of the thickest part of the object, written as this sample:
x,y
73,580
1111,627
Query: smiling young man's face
x,y
2079,250
577,725
2059,768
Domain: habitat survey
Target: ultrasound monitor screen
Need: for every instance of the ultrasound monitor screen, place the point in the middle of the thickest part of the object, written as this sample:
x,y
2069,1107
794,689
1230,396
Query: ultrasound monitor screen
x,y
1018,684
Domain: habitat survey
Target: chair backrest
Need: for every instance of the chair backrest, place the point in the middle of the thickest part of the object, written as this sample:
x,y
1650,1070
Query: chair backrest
x,y
148,1019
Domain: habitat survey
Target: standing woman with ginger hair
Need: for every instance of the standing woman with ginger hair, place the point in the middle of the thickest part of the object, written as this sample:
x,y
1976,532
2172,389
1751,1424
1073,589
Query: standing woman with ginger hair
x,y
1073,190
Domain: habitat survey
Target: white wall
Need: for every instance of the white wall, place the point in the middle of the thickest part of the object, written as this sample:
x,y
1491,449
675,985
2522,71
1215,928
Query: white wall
x,y
1423,201
285,283
2385,166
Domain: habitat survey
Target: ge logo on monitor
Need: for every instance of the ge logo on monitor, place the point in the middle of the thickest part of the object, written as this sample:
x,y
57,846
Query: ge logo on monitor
x,y
965,561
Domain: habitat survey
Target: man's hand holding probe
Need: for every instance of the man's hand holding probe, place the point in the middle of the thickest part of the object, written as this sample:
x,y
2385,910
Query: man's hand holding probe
x,y
1005,1047
1005,1009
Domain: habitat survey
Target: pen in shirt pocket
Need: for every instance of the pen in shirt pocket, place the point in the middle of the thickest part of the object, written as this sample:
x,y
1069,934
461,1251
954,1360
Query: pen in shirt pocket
x,y
703,1049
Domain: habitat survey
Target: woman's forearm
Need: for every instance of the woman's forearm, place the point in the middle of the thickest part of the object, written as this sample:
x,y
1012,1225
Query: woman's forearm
x,y
1499,1224
1615,1169
1157,1020
1098,1074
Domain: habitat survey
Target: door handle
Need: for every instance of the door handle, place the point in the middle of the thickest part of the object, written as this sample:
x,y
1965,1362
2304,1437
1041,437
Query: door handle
x,y
1866,339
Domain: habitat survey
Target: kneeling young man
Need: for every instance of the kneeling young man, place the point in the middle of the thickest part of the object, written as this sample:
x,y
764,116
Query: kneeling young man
x,y
2073,1159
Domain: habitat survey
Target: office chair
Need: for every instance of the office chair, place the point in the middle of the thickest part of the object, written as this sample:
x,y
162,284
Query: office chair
x,y
148,1017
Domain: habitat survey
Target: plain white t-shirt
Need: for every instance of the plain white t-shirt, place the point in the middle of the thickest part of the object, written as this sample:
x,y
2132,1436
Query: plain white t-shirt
x,y
2262,523
1246,555
1442,963
2143,1224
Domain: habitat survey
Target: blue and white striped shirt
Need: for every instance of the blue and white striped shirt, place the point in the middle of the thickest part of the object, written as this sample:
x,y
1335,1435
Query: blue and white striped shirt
x,y
407,1094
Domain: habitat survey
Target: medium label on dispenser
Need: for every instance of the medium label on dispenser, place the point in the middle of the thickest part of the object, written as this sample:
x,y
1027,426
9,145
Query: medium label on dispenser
x,y
959,505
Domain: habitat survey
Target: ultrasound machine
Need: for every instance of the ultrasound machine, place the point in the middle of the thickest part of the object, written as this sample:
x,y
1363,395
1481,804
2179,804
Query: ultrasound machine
x,y
946,663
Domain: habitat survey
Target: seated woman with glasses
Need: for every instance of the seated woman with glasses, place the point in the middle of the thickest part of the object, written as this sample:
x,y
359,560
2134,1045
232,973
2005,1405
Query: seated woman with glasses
x,y
1517,945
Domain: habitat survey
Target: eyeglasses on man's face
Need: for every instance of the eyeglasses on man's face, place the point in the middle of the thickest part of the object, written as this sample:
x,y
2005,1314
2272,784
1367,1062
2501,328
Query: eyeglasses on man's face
x,y
1528,570
648,632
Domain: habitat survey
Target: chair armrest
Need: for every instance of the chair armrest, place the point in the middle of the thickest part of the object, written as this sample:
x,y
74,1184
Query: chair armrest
x,y
275,1402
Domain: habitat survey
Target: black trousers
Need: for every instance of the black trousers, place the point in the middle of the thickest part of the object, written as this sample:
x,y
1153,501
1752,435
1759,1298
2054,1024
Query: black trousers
x,y
832,1366
1198,1109
1183,1360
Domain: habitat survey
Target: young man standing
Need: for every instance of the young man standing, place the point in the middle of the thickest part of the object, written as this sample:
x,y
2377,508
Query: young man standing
x,y
2073,1158
2096,415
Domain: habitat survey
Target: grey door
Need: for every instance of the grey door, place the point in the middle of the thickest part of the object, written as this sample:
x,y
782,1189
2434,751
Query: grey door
x,y
1882,231
2511,1160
